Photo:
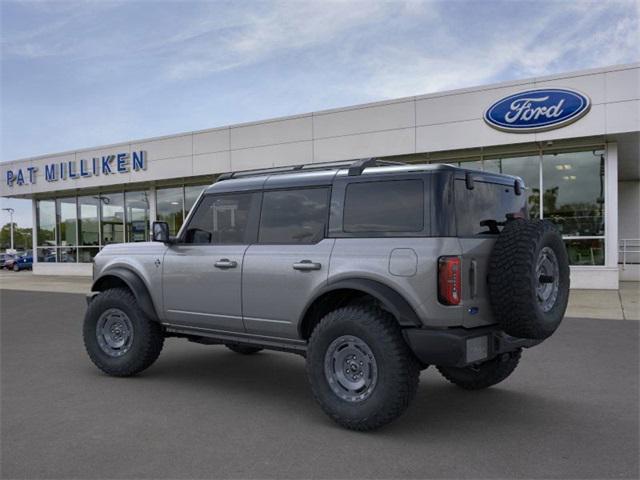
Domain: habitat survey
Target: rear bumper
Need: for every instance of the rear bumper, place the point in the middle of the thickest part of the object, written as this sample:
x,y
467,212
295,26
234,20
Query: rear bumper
x,y
459,347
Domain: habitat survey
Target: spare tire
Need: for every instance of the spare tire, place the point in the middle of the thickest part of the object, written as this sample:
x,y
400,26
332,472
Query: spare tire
x,y
529,278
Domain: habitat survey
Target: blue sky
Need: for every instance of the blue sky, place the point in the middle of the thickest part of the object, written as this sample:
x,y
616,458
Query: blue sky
x,y
80,74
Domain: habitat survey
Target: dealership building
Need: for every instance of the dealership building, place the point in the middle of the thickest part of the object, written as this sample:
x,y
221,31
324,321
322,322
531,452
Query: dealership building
x,y
574,138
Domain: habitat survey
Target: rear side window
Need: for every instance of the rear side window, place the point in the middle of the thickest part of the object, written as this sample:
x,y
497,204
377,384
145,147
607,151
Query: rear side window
x,y
221,219
294,216
385,206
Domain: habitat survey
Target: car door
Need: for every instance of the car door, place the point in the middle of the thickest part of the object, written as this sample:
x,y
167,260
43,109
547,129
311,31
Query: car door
x,y
202,272
289,262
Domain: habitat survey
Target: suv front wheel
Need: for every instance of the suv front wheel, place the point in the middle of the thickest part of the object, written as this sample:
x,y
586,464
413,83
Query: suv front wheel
x,y
120,340
361,371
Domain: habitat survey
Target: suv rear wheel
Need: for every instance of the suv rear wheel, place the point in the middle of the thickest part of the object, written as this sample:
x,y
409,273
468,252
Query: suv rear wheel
x,y
484,375
120,340
360,369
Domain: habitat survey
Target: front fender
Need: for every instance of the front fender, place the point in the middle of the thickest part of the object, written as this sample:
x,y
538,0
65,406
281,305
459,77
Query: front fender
x,y
135,284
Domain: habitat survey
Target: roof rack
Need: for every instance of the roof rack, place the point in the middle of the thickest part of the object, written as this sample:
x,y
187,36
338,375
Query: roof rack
x,y
355,168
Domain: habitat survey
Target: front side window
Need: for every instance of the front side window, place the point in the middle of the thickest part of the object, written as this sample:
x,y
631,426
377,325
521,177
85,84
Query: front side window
x,y
221,219
191,194
384,206
294,216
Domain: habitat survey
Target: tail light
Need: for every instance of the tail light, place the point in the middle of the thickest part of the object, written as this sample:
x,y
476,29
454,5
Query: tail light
x,y
449,280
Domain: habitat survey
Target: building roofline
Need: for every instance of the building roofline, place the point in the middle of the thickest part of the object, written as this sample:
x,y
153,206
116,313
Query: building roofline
x,y
445,93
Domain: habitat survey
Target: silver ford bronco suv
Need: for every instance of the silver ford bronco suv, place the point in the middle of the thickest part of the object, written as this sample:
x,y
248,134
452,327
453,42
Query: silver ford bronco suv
x,y
371,270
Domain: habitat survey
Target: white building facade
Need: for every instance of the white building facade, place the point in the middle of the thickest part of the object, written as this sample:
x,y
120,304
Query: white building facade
x,y
582,169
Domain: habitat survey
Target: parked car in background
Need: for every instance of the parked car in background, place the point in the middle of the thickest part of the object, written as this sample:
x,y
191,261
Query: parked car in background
x,y
23,262
3,258
7,260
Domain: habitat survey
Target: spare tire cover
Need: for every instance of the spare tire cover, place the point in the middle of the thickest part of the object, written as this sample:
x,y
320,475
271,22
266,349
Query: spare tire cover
x,y
529,278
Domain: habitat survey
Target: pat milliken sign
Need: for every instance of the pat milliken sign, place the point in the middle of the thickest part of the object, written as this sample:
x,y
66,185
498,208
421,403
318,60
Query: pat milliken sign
x,y
105,165
537,110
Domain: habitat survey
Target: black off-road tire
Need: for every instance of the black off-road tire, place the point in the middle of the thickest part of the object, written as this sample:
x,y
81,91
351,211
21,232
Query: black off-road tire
x,y
513,281
147,340
398,370
243,349
16,268
484,375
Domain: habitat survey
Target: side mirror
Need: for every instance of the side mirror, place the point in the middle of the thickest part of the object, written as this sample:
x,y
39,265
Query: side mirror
x,y
160,232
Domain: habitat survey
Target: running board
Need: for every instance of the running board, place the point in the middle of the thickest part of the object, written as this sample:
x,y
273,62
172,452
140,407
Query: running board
x,y
213,337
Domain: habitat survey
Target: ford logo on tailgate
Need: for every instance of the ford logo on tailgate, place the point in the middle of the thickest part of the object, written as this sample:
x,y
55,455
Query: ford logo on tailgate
x,y
537,110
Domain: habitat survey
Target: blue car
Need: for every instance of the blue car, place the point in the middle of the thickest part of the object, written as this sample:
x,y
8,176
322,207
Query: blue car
x,y
24,262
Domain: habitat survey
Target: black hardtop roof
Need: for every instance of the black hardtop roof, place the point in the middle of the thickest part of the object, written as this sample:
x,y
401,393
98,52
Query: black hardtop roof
x,y
318,174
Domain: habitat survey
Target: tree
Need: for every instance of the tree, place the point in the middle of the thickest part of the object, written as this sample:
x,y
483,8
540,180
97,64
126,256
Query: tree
x,y
22,237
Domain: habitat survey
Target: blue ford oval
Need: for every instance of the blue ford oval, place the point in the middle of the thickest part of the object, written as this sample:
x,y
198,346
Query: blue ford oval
x,y
537,110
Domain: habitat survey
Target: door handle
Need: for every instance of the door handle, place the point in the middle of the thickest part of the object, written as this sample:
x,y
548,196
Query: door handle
x,y
306,265
225,263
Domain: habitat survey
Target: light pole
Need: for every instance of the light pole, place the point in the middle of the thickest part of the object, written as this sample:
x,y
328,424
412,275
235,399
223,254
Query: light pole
x,y
11,212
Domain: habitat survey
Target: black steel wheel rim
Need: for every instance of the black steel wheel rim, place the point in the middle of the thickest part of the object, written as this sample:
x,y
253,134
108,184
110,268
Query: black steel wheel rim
x,y
350,368
114,332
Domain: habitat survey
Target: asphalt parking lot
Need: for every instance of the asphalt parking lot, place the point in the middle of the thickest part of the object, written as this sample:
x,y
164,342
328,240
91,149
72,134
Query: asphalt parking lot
x,y
569,411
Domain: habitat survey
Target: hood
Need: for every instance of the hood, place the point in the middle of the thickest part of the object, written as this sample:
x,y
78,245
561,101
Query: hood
x,y
133,248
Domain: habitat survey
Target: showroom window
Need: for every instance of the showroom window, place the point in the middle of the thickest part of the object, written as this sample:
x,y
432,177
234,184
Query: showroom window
x,y
46,230
137,216
573,195
67,229
112,218
170,207
573,198
88,227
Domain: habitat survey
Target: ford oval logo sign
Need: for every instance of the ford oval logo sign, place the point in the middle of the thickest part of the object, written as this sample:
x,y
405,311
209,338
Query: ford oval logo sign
x,y
537,110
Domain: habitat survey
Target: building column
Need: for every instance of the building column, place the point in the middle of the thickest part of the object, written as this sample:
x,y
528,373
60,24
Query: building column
x,y
152,208
34,231
611,205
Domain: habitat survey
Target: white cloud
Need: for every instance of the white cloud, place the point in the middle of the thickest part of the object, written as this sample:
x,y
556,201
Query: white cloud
x,y
525,48
287,26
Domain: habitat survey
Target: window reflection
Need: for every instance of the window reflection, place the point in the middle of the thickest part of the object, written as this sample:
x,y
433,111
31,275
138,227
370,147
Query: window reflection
x,y
574,192
67,212
137,216
169,208
88,221
585,252
46,220
46,255
191,194
112,223
86,254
